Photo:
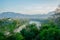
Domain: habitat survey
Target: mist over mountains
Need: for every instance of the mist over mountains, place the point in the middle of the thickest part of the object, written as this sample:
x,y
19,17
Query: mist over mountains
x,y
20,15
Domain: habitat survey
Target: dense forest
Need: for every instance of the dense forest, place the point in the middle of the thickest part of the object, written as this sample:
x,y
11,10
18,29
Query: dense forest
x,y
49,30
21,29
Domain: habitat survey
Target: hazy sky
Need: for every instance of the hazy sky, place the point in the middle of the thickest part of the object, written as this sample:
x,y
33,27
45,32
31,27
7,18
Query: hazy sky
x,y
28,6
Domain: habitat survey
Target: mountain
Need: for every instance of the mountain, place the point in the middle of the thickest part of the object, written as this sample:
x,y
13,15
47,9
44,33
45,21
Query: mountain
x,y
19,15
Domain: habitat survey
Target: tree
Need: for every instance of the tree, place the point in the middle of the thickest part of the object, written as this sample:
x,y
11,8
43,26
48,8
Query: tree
x,y
56,16
16,36
49,31
2,36
30,32
50,34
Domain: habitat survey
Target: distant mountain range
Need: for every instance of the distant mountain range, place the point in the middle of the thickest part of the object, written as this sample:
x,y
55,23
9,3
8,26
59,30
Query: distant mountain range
x,y
19,15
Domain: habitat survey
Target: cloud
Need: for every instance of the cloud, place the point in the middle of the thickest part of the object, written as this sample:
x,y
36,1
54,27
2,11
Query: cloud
x,y
38,9
32,9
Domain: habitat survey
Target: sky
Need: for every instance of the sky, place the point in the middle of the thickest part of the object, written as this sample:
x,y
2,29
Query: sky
x,y
28,6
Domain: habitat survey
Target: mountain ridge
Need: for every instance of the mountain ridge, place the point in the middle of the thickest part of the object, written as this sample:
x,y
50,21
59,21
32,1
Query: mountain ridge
x,y
20,15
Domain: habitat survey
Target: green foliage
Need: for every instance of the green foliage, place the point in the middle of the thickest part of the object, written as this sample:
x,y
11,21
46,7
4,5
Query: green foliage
x,y
16,36
49,31
50,34
57,21
48,25
2,36
7,24
30,32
